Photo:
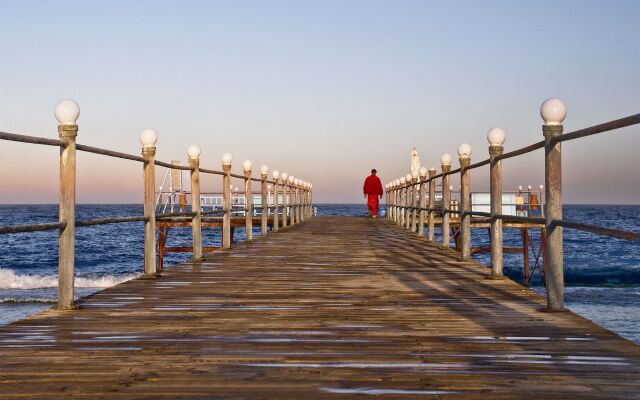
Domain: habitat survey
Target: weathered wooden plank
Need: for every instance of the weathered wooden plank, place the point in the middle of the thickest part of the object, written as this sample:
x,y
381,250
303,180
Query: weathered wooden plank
x,y
335,308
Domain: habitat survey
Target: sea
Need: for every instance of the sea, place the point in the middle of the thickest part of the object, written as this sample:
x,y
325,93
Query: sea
x,y
602,274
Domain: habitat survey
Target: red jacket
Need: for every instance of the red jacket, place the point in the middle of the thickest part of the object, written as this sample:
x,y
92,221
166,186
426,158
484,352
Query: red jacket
x,y
372,186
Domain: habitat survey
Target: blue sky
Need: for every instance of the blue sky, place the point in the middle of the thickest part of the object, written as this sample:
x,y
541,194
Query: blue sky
x,y
322,90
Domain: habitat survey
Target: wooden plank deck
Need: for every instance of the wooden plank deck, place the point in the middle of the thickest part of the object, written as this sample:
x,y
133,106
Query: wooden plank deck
x,y
333,308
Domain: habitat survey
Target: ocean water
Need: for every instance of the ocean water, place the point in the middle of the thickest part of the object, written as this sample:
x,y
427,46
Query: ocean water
x,y
602,274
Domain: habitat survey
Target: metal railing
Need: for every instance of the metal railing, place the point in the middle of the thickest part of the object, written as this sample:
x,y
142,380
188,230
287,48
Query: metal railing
x,y
297,196
406,198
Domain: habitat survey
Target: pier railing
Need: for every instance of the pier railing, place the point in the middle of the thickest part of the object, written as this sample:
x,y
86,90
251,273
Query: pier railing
x,y
409,204
297,196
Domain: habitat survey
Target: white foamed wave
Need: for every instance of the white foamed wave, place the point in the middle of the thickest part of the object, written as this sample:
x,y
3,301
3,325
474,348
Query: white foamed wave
x,y
10,280
31,299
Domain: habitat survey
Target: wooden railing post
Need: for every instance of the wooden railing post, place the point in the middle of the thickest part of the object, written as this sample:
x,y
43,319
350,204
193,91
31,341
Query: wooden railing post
x,y
407,203
248,200
423,200
292,201
226,200
391,205
414,204
148,139
298,201
285,199
303,195
392,193
264,215
67,112
310,200
446,198
432,203
196,221
397,201
553,112
402,197
496,139
386,200
276,200
464,151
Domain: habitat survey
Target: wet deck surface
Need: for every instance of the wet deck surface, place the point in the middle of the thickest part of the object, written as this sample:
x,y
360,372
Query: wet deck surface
x,y
334,308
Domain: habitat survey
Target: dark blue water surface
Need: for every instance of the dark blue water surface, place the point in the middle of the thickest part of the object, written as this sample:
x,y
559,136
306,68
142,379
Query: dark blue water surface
x,y
602,274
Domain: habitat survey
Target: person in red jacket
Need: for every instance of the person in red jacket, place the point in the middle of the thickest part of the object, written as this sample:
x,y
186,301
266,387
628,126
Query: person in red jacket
x,y
372,190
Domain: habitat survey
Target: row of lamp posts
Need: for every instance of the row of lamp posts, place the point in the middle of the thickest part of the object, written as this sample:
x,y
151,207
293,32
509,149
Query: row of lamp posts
x,y
402,195
296,194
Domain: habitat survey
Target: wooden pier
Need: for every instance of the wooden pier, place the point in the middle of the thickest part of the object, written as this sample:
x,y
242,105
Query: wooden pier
x,y
336,307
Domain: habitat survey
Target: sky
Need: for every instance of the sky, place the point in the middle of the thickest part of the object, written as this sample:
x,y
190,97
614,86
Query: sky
x,y
323,90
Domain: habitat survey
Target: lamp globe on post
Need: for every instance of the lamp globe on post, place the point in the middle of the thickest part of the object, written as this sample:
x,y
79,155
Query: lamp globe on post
x,y
246,165
403,181
464,150
264,170
445,159
423,172
193,152
291,180
275,174
227,159
67,112
496,137
148,138
284,177
553,111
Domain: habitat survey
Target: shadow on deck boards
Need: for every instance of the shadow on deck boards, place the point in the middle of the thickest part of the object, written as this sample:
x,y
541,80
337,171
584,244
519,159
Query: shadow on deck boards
x,y
335,308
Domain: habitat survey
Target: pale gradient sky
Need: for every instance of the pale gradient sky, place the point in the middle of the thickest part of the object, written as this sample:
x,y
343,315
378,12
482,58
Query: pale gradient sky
x,y
322,90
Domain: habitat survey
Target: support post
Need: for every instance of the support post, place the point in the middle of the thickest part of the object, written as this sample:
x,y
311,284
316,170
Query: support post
x,y
67,112
148,139
554,276
423,201
401,195
392,200
496,139
298,204
414,203
408,203
285,201
394,203
432,203
264,215
248,204
292,206
196,220
465,205
226,203
446,204
398,204
305,203
276,201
